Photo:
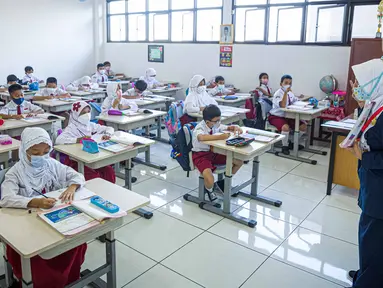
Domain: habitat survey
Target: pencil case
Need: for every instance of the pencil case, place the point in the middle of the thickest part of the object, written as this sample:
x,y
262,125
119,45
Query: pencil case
x,y
104,204
5,140
230,97
115,112
90,146
34,86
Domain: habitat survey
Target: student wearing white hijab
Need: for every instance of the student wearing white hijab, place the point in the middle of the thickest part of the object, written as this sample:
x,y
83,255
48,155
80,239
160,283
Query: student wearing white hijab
x,y
80,128
84,83
36,171
114,99
198,98
150,78
367,145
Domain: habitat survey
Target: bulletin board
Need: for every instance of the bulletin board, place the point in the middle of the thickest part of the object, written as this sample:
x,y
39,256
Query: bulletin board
x,y
156,53
226,56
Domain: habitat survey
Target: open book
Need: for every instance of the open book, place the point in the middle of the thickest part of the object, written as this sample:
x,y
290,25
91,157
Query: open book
x,y
113,146
79,216
130,139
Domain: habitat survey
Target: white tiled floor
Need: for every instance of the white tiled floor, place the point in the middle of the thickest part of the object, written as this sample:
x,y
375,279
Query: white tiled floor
x,y
310,241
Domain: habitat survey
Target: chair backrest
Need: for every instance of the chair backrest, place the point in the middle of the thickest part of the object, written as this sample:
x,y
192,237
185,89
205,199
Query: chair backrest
x,y
2,177
96,111
172,122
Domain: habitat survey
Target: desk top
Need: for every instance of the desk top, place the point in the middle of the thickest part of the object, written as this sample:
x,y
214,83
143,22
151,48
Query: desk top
x,y
122,82
159,98
32,236
226,111
26,93
75,150
157,90
14,146
87,93
250,150
55,102
14,124
241,97
130,119
307,112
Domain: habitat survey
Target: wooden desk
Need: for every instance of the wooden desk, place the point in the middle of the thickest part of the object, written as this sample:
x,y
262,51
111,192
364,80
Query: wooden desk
x,y
5,149
14,128
343,166
170,92
298,115
44,241
233,103
247,153
229,115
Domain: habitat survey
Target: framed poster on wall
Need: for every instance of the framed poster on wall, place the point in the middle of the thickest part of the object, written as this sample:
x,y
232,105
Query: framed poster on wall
x,y
156,53
226,56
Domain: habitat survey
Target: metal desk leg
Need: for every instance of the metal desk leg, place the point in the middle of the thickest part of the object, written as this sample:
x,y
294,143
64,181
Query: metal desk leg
x,y
159,136
226,211
147,161
81,168
310,140
254,188
8,272
330,174
27,273
110,249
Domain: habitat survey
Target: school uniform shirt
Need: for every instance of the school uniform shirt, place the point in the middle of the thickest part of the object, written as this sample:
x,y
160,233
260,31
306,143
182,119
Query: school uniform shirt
x,y
203,129
266,88
132,92
71,133
30,78
25,108
109,72
278,96
195,100
99,78
216,90
51,92
107,104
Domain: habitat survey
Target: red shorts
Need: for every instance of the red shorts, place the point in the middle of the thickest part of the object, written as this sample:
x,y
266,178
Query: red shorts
x,y
207,160
278,122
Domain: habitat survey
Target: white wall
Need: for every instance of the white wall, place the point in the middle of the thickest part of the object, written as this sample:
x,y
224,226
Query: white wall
x,y
307,64
56,37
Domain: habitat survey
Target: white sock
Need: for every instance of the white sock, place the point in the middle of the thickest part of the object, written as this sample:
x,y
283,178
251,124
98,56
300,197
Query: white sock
x,y
210,190
285,141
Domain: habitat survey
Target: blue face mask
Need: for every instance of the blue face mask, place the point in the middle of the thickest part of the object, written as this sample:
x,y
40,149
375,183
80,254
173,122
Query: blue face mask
x,y
360,93
38,161
18,101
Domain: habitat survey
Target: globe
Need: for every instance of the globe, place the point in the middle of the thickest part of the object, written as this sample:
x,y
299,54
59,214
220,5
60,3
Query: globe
x,y
328,84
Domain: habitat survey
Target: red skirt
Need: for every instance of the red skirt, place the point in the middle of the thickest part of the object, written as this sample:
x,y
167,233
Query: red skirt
x,y
107,173
53,273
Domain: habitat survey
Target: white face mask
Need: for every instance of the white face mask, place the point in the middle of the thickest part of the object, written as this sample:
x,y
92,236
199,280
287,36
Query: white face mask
x,y
51,91
217,124
285,87
102,72
84,118
221,87
38,161
201,89
30,74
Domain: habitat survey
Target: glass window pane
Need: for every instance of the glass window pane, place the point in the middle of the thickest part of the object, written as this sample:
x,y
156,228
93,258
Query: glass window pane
x,y
182,26
364,23
158,27
320,0
254,25
137,27
136,6
286,1
182,4
209,3
208,25
324,23
250,2
117,28
117,7
285,24
158,5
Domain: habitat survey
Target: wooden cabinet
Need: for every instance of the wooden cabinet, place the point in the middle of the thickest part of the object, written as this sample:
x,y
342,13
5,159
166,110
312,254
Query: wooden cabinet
x,y
362,50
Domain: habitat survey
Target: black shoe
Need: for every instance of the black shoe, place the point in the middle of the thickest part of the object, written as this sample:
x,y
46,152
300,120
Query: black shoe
x,y
102,238
286,150
351,274
212,196
221,184
301,147
291,145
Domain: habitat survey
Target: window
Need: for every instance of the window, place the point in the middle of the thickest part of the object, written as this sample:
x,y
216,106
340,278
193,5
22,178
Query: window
x,y
364,23
164,20
208,25
250,2
250,24
285,24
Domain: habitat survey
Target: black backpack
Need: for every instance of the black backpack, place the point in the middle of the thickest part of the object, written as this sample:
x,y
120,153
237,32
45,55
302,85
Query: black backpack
x,y
182,146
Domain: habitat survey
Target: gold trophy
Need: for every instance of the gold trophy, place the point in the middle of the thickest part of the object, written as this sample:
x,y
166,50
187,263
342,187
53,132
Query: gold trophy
x,y
379,16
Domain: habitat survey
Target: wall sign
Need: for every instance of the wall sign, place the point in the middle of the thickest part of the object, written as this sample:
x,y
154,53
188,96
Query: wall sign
x,y
226,56
156,53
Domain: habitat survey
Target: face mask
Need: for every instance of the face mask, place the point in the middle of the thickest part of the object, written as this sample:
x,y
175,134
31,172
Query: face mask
x,y
217,124
360,93
152,77
38,161
18,101
51,91
84,118
201,89
265,81
30,74
102,72
107,68
221,87
285,87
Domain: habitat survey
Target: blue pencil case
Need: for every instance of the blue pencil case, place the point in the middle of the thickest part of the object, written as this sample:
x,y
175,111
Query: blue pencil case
x,y
104,204
90,146
230,97
34,86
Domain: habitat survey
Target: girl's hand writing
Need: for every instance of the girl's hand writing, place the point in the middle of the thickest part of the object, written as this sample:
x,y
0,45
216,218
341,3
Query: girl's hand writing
x,y
68,194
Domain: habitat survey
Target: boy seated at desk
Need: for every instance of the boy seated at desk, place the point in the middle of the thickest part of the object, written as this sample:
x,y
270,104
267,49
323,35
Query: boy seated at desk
x,y
100,75
80,127
30,77
36,173
138,91
114,99
110,73
18,108
11,79
206,161
51,91
150,79
82,84
284,97
219,89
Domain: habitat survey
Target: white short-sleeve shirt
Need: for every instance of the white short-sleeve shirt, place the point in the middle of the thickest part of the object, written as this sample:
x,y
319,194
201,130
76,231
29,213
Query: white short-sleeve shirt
x,y
278,96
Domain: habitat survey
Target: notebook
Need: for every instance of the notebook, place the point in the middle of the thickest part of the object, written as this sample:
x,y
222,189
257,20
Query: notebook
x,y
113,146
130,139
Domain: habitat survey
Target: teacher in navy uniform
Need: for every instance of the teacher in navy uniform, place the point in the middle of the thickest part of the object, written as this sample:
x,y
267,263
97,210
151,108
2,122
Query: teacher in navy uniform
x,y
368,148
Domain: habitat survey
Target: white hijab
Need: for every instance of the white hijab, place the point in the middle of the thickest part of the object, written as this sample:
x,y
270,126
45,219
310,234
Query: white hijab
x,y
111,89
148,76
364,73
86,80
194,83
37,178
195,98
75,127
